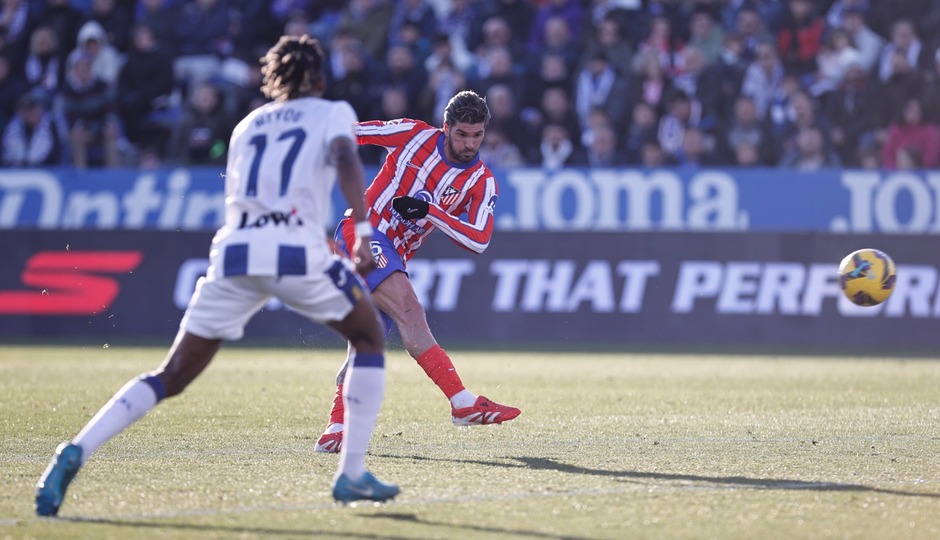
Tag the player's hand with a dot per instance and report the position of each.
(410, 208)
(362, 256)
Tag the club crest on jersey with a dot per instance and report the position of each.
(449, 196)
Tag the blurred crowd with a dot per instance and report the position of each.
(803, 84)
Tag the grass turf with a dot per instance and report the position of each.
(608, 446)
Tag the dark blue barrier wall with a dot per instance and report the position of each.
(580, 289)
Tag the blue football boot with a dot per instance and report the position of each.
(50, 490)
(368, 488)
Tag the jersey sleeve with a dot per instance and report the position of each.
(341, 122)
(388, 133)
(475, 233)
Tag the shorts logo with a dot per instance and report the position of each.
(449, 196)
(381, 260)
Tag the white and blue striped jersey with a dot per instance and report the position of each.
(278, 183)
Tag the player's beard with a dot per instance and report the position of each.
(459, 157)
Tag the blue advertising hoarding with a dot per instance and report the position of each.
(690, 200)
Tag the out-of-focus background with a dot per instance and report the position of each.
(675, 173)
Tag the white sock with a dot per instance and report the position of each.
(130, 403)
(363, 392)
(462, 399)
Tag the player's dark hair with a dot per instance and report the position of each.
(292, 68)
(467, 107)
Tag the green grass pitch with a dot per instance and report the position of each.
(609, 446)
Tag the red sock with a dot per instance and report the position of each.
(440, 369)
(336, 415)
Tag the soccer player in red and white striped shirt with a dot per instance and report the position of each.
(431, 177)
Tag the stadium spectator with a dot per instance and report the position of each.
(682, 114)
(518, 14)
(495, 31)
(444, 81)
(65, 21)
(556, 148)
(568, 12)
(88, 103)
(868, 43)
(368, 23)
(763, 78)
(608, 37)
(731, 68)
(747, 155)
(835, 15)
(497, 68)
(706, 36)
(905, 43)
(202, 41)
(16, 22)
(499, 150)
(444, 178)
(554, 107)
(34, 137)
(652, 85)
(603, 149)
(931, 90)
(457, 21)
(402, 71)
(751, 30)
(854, 109)
(161, 16)
(904, 83)
(145, 85)
(801, 114)
(643, 126)
(245, 272)
(12, 86)
(201, 136)
(415, 12)
(356, 83)
(505, 114)
(702, 83)
(599, 86)
(559, 42)
(552, 72)
(663, 43)
(93, 44)
(443, 51)
(833, 60)
(800, 37)
(115, 21)
(697, 150)
(652, 155)
(747, 128)
(810, 152)
(43, 69)
(410, 36)
(912, 132)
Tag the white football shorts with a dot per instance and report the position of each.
(220, 308)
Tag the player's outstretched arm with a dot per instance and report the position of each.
(351, 177)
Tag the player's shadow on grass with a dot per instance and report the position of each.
(495, 532)
(545, 464)
(233, 530)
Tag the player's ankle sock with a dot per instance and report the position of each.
(440, 369)
(462, 399)
(364, 391)
(336, 414)
(129, 404)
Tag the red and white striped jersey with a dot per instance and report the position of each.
(416, 166)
